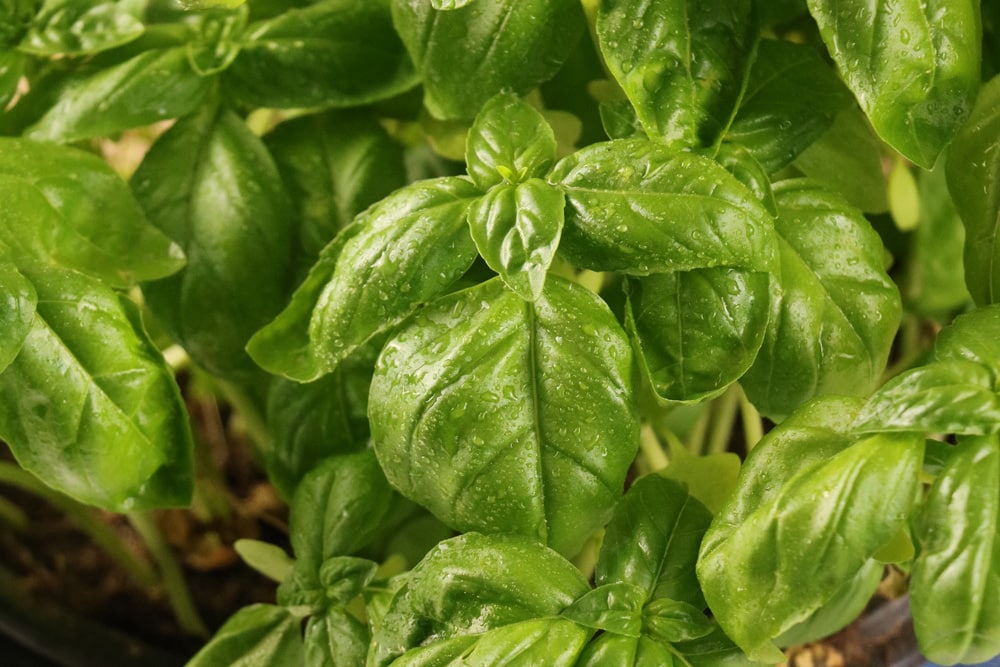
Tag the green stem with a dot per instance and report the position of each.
(753, 428)
(696, 436)
(724, 412)
(586, 560)
(251, 419)
(652, 450)
(170, 570)
(12, 515)
(86, 520)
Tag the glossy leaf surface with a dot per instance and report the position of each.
(681, 63)
(975, 337)
(956, 574)
(502, 415)
(835, 312)
(17, 310)
(517, 229)
(89, 406)
(210, 184)
(611, 650)
(469, 54)
(614, 607)
(399, 254)
(71, 28)
(509, 142)
(912, 64)
(260, 634)
(330, 53)
(637, 207)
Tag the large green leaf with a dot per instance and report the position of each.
(973, 171)
(975, 337)
(210, 184)
(503, 415)
(89, 406)
(955, 577)
(509, 142)
(475, 583)
(260, 634)
(812, 507)
(331, 53)
(336, 638)
(469, 54)
(401, 253)
(17, 310)
(155, 85)
(912, 64)
(612, 650)
(71, 28)
(638, 207)
(835, 312)
(65, 207)
(682, 63)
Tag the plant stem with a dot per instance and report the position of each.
(724, 413)
(172, 578)
(652, 450)
(696, 436)
(251, 419)
(12, 515)
(753, 429)
(86, 520)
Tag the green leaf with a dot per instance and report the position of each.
(344, 578)
(333, 53)
(812, 507)
(260, 634)
(217, 41)
(501, 415)
(475, 583)
(835, 311)
(710, 478)
(974, 337)
(652, 541)
(741, 163)
(697, 331)
(639, 208)
(791, 99)
(17, 310)
(611, 650)
(615, 607)
(89, 406)
(956, 612)
(15, 16)
(973, 171)
(509, 142)
(912, 64)
(954, 396)
(210, 184)
(335, 638)
(11, 70)
(335, 165)
(445, 5)
(682, 63)
(670, 621)
(155, 85)
(268, 559)
(72, 28)
(517, 229)
(469, 54)
(65, 207)
(715, 650)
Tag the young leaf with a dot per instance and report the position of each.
(615, 607)
(65, 207)
(974, 337)
(336, 638)
(835, 312)
(509, 142)
(637, 207)
(504, 415)
(17, 310)
(697, 331)
(670, 621)
(401, 253)
(73, 28)
(210, 184)
(155, 85)
(956, 612)
(260, 634)
(912, 64)
(467, 55)
(474, 583)
(268, 559)
(517, 229)
(335, 53)
(973, 172)
(89, 406)
(622, 651)
(681, 63)
(741, 163)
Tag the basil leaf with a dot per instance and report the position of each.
(89, 406)
(446, 5)
(652, 541)
(697, 331)
(503, 415)
(791, 99)
(509, 142)
(621, 651)
(11, 70)
(741, 163)
(681, 63)
(973, 171)
(714, 650)
(210, 185)
(469, 54)
(615, 607)
(809, 485)
(914, 71)
(71, 28)
(973, 337)
(334, 165)
(956, 613)
(15, 16)
(155, 85)
(517, 229)
(65, 207)
(401, 253)
(268, 559)
(19, 299)
(260, 634)
(331, 53)
(334, 638)
(475, 583)
(639, 208)
(670, 621)
(835, 312)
